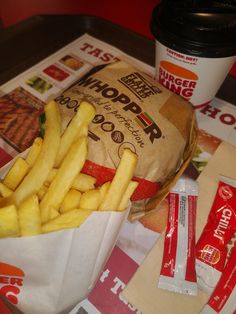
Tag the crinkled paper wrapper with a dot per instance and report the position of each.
(125, 99)
(171, 181)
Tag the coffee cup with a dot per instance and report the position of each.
(195, 46)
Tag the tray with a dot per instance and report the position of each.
(28, 42)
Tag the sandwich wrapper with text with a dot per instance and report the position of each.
(136, 112)
(52, 272)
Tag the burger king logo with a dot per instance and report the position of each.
(11, 281)
(225, 192)
(177, 79)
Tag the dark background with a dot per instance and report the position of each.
(131, 14)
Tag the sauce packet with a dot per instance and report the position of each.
(178, 264)
(211, 248)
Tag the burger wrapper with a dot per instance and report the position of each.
(57, 270)
(134, 111)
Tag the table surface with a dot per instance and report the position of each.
(26, 43)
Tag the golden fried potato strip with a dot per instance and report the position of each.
(83, 117)
(120, 182)
(9, 225)
(70, 167)
(71, 219)
(127, 195)
(29, 216)
(46, 159)
(34, 151)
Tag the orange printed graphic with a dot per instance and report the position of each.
(178, 71)
(9, 270)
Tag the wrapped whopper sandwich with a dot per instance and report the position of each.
(137, 112)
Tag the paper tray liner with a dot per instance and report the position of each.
(142, 290)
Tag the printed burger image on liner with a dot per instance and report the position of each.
(195, 46)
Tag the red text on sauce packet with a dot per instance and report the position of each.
(223, 299)
(211, 249)
(178, 264)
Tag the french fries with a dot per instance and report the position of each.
(4, 190)
(42, 191)
(34, 151)
(84, 182)
(16, 173)
(127, 195)
(29, 216)
(72, 219)
(50, 177)
(46, 191)
(70, 167)
(103, 190)
(46, 159)
(90, 199)
(9, 225)
(120, 182)
(70, 201)
(84, 115)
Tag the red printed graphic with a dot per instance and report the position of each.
(190, 266)
(56, 73)
(3, 308)
(4, 157)
(145, 189)
(143, 120)
(171, 238)
(11, 282)
(98, 53)
(224, 117)
(212, 244)
(226, 286)
(117, 272)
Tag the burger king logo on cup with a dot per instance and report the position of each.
(11, 281)
(177, 79)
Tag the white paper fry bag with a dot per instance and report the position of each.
(51, 273)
